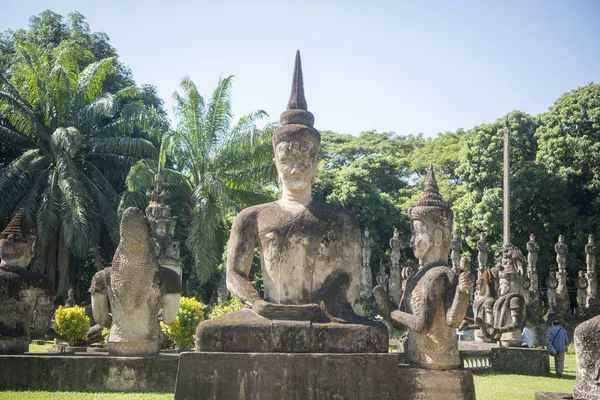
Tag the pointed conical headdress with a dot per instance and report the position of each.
(297, 122)
(431, 207)
(18, 227)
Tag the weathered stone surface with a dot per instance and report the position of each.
(436, 297)
(483, 249)
(88, 372)
(561, 249)
(137, 289)
(245, 331)
(509, 308)
(520, 361)
(310, 256)
(25, 296)
(587, 352)
(551, 396)
(314, 376)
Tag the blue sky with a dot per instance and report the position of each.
(407, 67)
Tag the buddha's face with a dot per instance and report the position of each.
(424, 239)
(591, 239)
(561, 239)
(366, 233)
(395, 234)
(532, 237)
(296, 163)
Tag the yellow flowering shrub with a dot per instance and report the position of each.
(71, 323)
(223, 308)
(183, 330)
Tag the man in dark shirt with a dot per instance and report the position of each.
(558, 337)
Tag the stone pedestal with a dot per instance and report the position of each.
(552, 396)
(245, 331)
(267, 376)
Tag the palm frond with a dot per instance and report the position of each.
(67, 139)
(103, 106)
(48, 215)
(91, 79)
(136, 147)
(17, 178)
(218, 114)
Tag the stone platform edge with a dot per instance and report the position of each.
(274, 376)
(88, 372)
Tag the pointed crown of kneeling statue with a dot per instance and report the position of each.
(432, 209)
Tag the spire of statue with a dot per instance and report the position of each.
(297, 99)
(431, 194)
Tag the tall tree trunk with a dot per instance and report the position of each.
(98, 258)
(63, 267)
(48, 257)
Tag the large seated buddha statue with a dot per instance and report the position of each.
(310, 260)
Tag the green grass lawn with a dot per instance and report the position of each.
(40, 348)
(487, 387)
(517, 387)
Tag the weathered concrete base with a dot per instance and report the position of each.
(245, 331)
(552, 396)
(88, 372)
(266, 376)
(520, 361)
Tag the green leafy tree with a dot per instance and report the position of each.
(71, 153)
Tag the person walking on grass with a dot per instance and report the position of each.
(559, 339)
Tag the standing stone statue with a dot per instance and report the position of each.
(509, 309)
(590, 254)
(162, 227)
(436, 297)
(562, 295)
(533, 293)
(483, 305)
(551, 284)
(465, 265)
(310, 260)
(455, 248)
(582, 285)
(137, 289)
(70, 299)
(25, 296)
(222, 290)
(587, 353)
(366, 277)
(532, 252)
(482, 257)
(382, 278)
(395, 286)
(561, 253)
(592, 289)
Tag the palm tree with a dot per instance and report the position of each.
(72, 153)
(225, 166)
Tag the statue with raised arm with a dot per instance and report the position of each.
(25, 296)
(509, 309)
(561, 254)
(483, 305)
(455, 248)
(137, 288)
(396, 246)
(482, 256)
(436, 297)
(310, 260)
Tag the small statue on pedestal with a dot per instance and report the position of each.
(455, 249)
(482, 255)
(590, 254)
(551, 284)
(366, 278)
(395, 282)
(582, 285)
(70, 299)
(561, 254)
